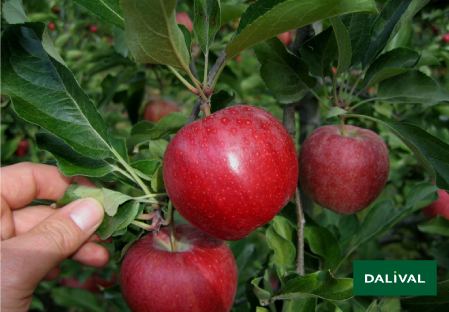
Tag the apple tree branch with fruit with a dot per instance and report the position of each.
(235, 174)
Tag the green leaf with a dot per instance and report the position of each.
(261, 294)
(285, 74)
(110, 200)
(142, 127)
(344, 227)
(373, 307)
(13, 12)
(265, 19)
(169, 124)
(323, 244)
(359, 26)
(393, 17)
(320, 284)
(412, 87)
(335, 111)
(43, 91)
(157, 181)
(188, 39)
(437, 303)
(389, 64)
(422, 195)
(152, 34)
(125, 215)
(72, 163)
(284, 250)
(147, 166)
(76, 297)
(343, 44)
(437, 226)
(427, 59)
(319, 52)
(9, 147)
(220, 100)
(390, 304)
(231, 12)
(120, 45)
(107, 10)
(300, 305)
(157, 148)
(431, 151)
(207, 22)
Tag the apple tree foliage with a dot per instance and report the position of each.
(358, 63)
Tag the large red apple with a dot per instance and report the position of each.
(200, 276)
(343, 173)
(439, 207)
(231, 172)
(156, 109)
(184, 19)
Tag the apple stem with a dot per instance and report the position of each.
(171, 221)
(206, 110)
(342, 123)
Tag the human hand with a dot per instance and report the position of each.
(36, 239)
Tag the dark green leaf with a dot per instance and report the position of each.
(157, 148)
(169, 124)
(300, 305)
(412, 87)
(70, 162)
(220, 100)
(285, 74)
(437, 303)
(157, 181)
(207, 22)
(427, 59)
(422, 195)
(437, 226)
(147, 167)
(76, 297)
(125, 215)
(260, 293)
(38, 84)
(343, 44)
(320, 285)
(187, 38)
(359, 26)
(323, 244)
(107, 10)
(284, 250)
(319, 52)
(389, 64)
(142, 127)
(265, 19)
(393, 17)
(345, 225)
(152, 34)
(390, 304)
(231, 12)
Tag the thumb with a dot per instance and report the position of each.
(42, 248)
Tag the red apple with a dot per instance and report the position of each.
(93, 28)
(51, 26)
(56, 9)
(445, 38)
(200, 276)
(286, 38)
(439, 207)
(22, 148)
(231, 172)
(343, 173)
(184, 19)
(156, 109)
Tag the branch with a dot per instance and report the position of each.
(302, 35)
(289, 120)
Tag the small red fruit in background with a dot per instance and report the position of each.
(445, 38)
(438, 207)
(93, 283)
(22, 148)
(56, 9)
(286, 38)
(238, 58)
(231, 172)
(343, 173)
(93, 28)
(184, 19)
(156, 109)
(200, 275)
(51, 26)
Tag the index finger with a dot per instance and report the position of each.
(24, 182)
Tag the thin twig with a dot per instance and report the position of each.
(301, 224)
(289, 120)
(302, 35)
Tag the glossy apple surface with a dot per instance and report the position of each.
(201, 276)
(231, 172)
(439, 207)
(343, 173)
(184, 19)
(156, 109)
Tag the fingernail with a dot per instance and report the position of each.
(87, 213)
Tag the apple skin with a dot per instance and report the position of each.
(184, 19)
(231, 172)
(156, 109)
(201, 276)
(286, 38)
(343, 173)
(439, 207)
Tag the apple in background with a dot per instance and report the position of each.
(156, 109)
(56, 9)
(22, 148)
(51, 26)
(286, 38)
(231, 172)
(201, 275)
(445, 38)
(93, 28)
(439, 207)
(343, 173)
(93, 283)
(184, 19)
